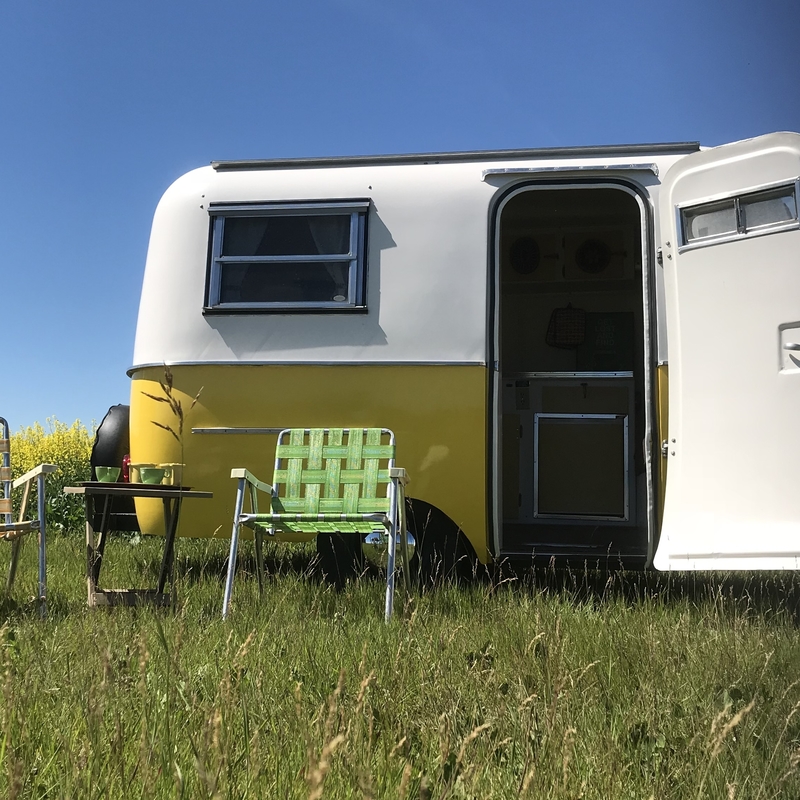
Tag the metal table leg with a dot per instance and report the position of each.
(105, 519)
(172, 507)
(91, 582)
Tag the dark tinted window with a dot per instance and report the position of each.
(284, 257)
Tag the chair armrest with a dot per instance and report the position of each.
(34, 473)
(400, 474)
(251, 479)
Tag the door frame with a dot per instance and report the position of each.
(650, 322)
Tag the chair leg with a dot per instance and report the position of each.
(237, 512)
(390, 569)
(259, 537)
(402, 527)
(16, 549)
(396, 529)
(40, 489)
(16, 544)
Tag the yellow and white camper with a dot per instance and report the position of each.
(584, 353)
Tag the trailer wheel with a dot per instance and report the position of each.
(339, 558)
(442, 552)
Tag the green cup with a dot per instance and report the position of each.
(151, 474)
(107, 474)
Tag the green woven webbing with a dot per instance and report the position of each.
(295, 467)
(355, 444)
(314, 462)
(333, 464)
(314, 480)
(324, 527)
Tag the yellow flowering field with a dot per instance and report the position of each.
(68, 446)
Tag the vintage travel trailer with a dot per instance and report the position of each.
(587, 354)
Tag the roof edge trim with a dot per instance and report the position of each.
(665, 148)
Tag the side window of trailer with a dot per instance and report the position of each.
(287, 257)
(768, 210)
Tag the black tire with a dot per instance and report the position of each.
(442, 552)
(339, 557)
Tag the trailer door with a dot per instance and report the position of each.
(731, 260)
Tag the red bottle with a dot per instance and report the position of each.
(126, 464)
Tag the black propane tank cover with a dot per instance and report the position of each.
(112, 440)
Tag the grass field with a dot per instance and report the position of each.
(562, 685)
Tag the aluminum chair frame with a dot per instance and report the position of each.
(14, 532)
(326, 486)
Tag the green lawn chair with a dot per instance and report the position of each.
(328, 480)
(14, 531)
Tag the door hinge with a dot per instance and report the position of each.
(664, 448)
(660, 257)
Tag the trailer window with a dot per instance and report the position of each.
(288, 257)
(765, 211)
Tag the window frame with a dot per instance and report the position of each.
(355, 258)
(742, 231)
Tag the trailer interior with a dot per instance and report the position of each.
(572, 376)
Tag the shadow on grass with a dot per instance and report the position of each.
(765, 594)
(15, 608)
(762, 593)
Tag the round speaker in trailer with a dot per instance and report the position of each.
(593, 256)
(525, 255)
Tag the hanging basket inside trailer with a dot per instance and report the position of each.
(567, 328)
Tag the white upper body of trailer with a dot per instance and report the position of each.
(430, 234)
(727, 291)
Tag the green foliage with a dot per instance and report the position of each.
(565, 687)
(70, 448)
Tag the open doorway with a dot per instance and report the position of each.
(572, 393)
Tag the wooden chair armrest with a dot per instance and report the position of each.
(34, 473)
(240, 472)
(400, 475)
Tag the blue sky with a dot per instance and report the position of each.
(104, 104)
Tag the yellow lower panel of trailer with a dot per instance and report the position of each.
(438, 414)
